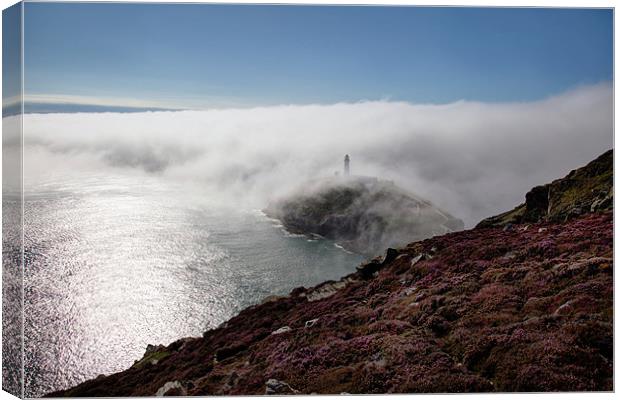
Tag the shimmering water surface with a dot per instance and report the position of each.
(114, 264)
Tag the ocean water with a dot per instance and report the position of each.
(115, 263)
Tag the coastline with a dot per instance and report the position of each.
(518, 304)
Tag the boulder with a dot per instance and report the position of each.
(272, 298)
(564, 308)
(420, 257)
(151, 349)
(327, 289)
(284, 329)
(311, 323)
(172, 388)
(536, 203)
(367, 270)
(274, 386)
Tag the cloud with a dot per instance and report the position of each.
(473, 159)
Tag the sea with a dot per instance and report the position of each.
(116, 262)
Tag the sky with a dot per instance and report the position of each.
(228, 56)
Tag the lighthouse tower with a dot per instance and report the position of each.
(346, 165)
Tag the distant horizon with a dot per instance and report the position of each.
(35, 104)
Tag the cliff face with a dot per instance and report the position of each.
(584, 190)
(526, 306)
(364, 215)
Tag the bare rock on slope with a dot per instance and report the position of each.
(584, 190)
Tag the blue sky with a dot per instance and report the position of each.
(202, 56)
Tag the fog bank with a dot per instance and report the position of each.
(472, 159)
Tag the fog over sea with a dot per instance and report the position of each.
(143, 228)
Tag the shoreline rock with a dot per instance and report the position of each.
(360, 214)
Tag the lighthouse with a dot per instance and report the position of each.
(346, 165)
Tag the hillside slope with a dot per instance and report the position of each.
(526, 306)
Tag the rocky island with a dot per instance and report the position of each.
(523, 302)
(363, 214)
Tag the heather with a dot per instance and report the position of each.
(521, 306)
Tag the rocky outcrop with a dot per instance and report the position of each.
(372, 267)
(152, 355)
(584, 190)
(364, 215)
(175, 388)
(274, 386)
(529, 309)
